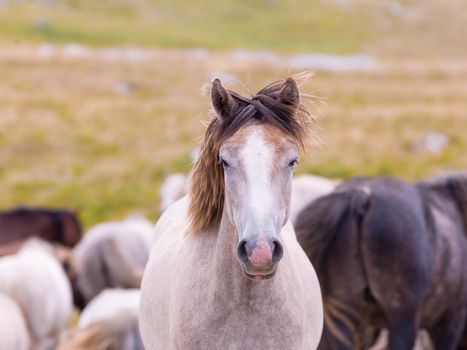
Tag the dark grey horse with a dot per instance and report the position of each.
(392, 255)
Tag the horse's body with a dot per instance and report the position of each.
(120, 332)
(213, 305)
(108, 303)
(36, 281)
(305, 189)
(109, 322)
(390, 255)
(214, 279)
(110, 255)
(13, 330)
(59, 226)
(174, 187)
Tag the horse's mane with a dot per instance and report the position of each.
(206, 190)
(454, 184)
(316, 227)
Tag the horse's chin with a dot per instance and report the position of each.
(259, 277)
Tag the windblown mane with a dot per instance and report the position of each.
(206, 191)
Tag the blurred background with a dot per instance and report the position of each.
(99, 100)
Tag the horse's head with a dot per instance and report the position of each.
(256, 143)
(71, 228)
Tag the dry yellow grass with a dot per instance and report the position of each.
(67, 138)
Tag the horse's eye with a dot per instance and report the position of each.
(293, 163)
(224, 163)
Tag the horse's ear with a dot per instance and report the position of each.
(289, 93)
(222, 102)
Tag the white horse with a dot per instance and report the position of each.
(111, 255)
(226, 271)
(305, 189)
(36, 281)
(108, 303)
(13, 330)
(174, 187)
(109, 322)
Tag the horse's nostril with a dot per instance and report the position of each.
(277, 251)
(242, 251)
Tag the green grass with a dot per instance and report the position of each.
(211, 24)
(291, 26)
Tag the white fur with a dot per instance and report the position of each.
(109, 321)
(174, 187)
(13, 330)
(36, 281)
(108, 303)
(258, 160)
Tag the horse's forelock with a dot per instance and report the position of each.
(207, 179)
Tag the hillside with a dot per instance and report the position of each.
(395, 28)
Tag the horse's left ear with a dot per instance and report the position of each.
(221, 100)
(289, 93)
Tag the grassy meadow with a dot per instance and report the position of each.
(98, 135)
(394, 27)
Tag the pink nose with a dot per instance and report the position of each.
(259, 253)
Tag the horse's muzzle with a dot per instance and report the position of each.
(259, 256)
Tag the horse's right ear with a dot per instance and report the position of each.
(289, 93)
(222, 102)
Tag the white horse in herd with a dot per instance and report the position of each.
(109, 322)
(34, 279)
(13, 329)
(226, 271)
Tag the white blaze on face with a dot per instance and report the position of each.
(258, 159)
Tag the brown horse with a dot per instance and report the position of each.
(53, 225)
(226, 271)
(390, 255)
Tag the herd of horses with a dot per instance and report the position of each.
(249, 257)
